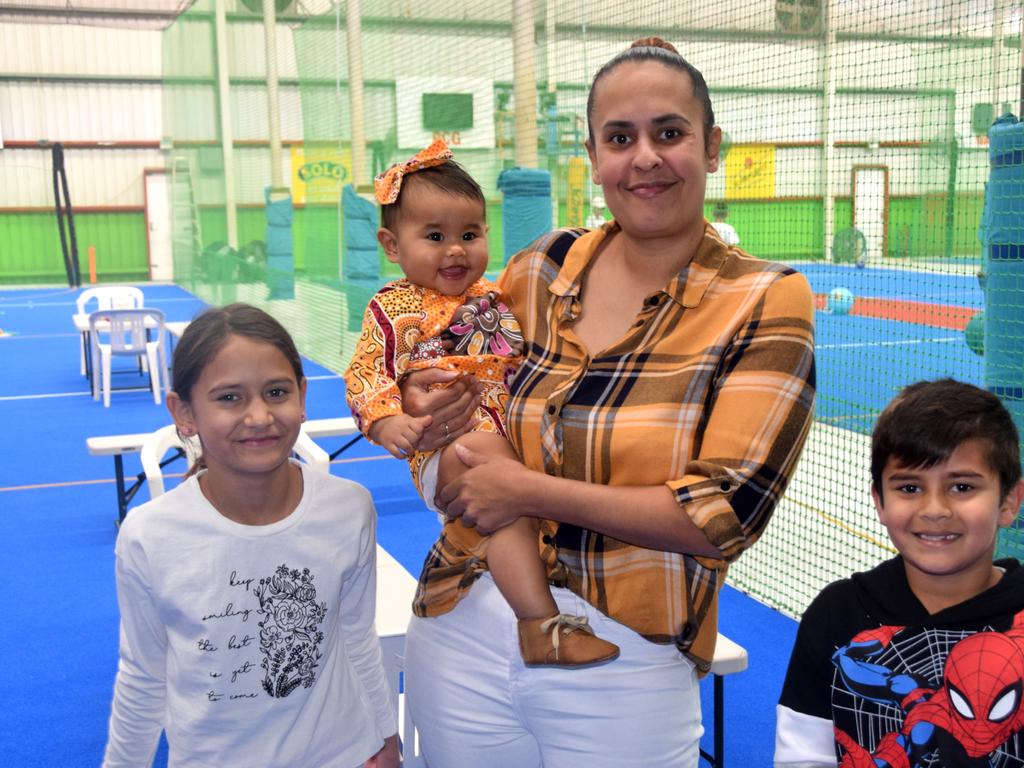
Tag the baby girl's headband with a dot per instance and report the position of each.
(387, 185)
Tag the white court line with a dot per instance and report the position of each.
(17, 335)
(63, 394)
(34, 304)
(847, 417)
(906, 342)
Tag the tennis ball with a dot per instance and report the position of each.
(840, 301)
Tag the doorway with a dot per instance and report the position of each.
(158, 225)
(871, 209)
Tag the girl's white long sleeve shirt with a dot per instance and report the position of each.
(250, 645)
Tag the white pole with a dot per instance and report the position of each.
(828, 150)
(355, 92)
(552, 78)
(524, 83)
(998, 51)
(1020, 108)
(549, 45)
(227, 138)
(339, 219)
(273, 104)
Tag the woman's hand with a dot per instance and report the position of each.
(448, 397)
(488, 495)
(388, 757)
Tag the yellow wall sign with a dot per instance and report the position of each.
(319, 173)
(576, 184)
(750, 171)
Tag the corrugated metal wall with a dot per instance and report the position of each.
(68, 49)
(97, 91)
(96, 177)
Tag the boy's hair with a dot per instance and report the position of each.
(450, 178)
(929, 420)
(208, 332)
(721, 210)
(656, 49)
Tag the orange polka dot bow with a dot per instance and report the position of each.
(387, 185)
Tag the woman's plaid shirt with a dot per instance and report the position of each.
(711, 392)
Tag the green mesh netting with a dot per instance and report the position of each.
(856, 151)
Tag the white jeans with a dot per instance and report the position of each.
(476, 704)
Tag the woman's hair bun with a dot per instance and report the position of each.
(654, 42)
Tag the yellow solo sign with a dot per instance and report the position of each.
(575, 192)
(750, 172)
(319, 173)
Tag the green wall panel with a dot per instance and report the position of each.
(784, 229)
(30, 247)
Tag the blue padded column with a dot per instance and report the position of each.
(526, 207)
(1003, 228)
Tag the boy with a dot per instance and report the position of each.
(444, 314)
(920, 661)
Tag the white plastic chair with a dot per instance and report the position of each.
(311, 453)
(106, 297)
(135, 333)
(152, 454)
(167, 438)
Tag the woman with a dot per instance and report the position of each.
(665, 398)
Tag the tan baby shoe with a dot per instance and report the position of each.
(563, 641)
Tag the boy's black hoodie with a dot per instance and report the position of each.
(868, 654)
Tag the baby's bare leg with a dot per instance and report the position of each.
(513, 557)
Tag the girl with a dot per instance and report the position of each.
(666, 392)
(247, 592)
(445, 314)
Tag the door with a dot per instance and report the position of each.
(871, 208)
(158, 225)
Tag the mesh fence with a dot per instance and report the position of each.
(856, 148)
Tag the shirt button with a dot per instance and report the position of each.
(552, 409)
(639, 324)
(725, 486)
(546, 539)
(654, 301)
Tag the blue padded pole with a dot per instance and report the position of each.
(360, 266)
(525, 207)
(1003, 228)
(280, 258)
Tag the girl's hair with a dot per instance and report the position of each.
(208, 332)
(449, 177)
(656, 49)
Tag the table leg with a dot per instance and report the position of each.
(719, 722)
(716, 758)
(86, 350)
(122, 500)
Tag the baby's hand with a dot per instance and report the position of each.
(399, 435)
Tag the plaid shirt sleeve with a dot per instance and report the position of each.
(757, 419)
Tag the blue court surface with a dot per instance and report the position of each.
(864, 361)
